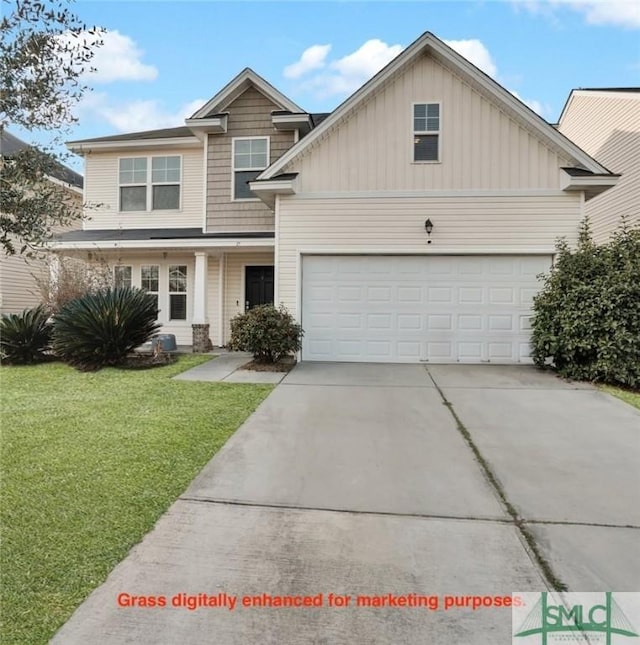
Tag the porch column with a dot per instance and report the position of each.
(199, 325)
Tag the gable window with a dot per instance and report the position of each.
(250, 158)
(426, 132)
(150, 279)
(122, 276)
(178, 292)
(149, 183)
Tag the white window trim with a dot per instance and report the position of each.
(122, 266)
(420, 132)
(184, 293)
(233, 166)
(149, 184)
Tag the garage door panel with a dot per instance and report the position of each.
(411, 309)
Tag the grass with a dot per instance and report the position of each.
(628, 396)
(89, 463)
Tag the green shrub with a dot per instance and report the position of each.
(587, 316)
(267, 332)
(25, 337)
(102, 328)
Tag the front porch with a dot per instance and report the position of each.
(200, 284)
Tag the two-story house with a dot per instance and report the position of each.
(408, 225)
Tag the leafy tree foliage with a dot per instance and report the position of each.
(44, 52)
(587, 316)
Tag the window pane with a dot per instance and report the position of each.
(243, 146)
(140, 164)
(149, 277)
(126, 164)
(433, 110)
(259, 145)
(166, 198)
(178, 307)
(242, 161)
(122, 276)
(259, 160)
(241, 187)
(165, 169)
(420, 124)
(425, 147)
(133, 198)
(433, 123)
(420, 110)
(178, 278)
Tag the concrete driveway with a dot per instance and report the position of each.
(357, 480)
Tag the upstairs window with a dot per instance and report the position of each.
(426, 132)
(250, 158)
(150, 183)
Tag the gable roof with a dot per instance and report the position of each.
(444, 54)
(10, 145)
(236, 86)
(613, 92)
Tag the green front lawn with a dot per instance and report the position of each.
(89, 462)
(632, 398)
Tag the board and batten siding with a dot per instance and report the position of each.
(482, 148)
(607, 126)
(102, 188)
(249, 116)
(395, 225)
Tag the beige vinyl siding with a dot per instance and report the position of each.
(18, 288)
(102, 188)
(249, 116)
(481, 146)
(234, 282)
(474, 224)
(607, 126)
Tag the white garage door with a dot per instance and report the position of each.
(406, 309)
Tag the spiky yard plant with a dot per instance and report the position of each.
(102, 328)
(25, 337)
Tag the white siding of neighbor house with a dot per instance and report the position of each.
(481, 146)
(523, 223)
(607, 126)
(102, 189)
(18, 287)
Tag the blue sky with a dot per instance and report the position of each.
(161, 60)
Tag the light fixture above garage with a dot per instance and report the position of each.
(428, 227)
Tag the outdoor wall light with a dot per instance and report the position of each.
(428, 227)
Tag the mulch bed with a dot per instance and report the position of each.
(284, 365)
(143, 360)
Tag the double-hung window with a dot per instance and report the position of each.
(150, 279)
(426, 132)
(150, 183)
(178, 292)
(250, 158)
(121, 276)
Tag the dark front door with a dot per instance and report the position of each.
(258, 286)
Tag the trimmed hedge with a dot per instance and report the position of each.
(587, 315)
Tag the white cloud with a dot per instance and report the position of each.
(475, 52)
(138, 115)
(622, 13)
(119, 59)
(312, 58)
(536, 106)
(346, 74)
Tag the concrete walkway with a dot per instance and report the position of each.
(226, 367)
(355, 479)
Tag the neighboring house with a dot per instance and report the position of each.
(18, 288)
(409, 225)
(606, 124)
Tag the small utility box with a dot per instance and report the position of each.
(164, 343)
